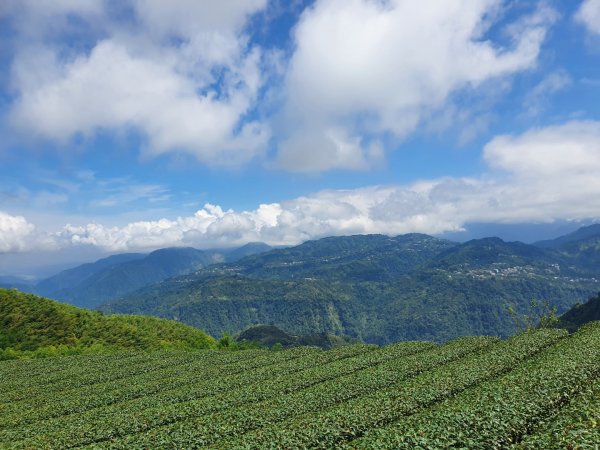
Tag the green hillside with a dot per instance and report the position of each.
(580, 249)
(373, 288)
(535, 390)
(89, 285)
(70, 278)
(579, 235)
(580, 314)
(372, 257)
(35, 324)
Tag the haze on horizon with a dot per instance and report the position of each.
(141, 124)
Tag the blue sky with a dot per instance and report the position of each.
(134, 125)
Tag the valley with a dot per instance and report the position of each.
(375, 288)
(303, 225)
(441, 357)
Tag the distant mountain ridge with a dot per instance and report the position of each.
(493, 250)
(580, 314)
(582, 247)
(91, 284)
(360, 258)
(8, 282)
(374, 288)
(581, 234)
(72, 277)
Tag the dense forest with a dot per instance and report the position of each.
(580, 314)
(376, 288)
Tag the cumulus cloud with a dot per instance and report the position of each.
(15, 232)
(553, 171)
(187, 76)
(208, 227)
(589, 15)
(381, 67)
(183, 75)
(541, 175)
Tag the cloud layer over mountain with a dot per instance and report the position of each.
(291, 120)
(539, 176)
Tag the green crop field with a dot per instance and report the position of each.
(536, 390)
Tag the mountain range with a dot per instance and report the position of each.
(379, 289)
(91, 284)
(374, 288)
(580, 314)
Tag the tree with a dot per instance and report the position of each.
(541, 315)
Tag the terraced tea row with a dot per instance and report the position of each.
(109, 370)
(500, 412)
(257, 409)
(476, 392)
(575, 426)
(166, 376)
(329, 427)
(209, 394)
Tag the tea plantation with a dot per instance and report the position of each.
(536, 390)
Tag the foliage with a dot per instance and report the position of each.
(580, 314)
(449, 372)
(373, 288)
(540, 315)
(269, 336)
(539, 387)
(577, 425)
(89, 285)
(501, 412)
(33, 326)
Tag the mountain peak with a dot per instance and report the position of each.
(581, 234)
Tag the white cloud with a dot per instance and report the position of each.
(382, 67)
(589, 15)
(34, 19)
(184, 77)
(15, 232)
(570, 150)
(537, 97)
(542, 175)
(111, 89)
(553, 171)
(186, 17)
(319, 150)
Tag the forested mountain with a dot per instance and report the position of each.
(109, 279)
(580, 249)
(268, 336)
(582, 234)
(493, 252)
(235, 254)
(580, 314)
(349, 258)
(19, 283)
(374, 288)
(31, 323)
(91, 284)
(70, 278)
